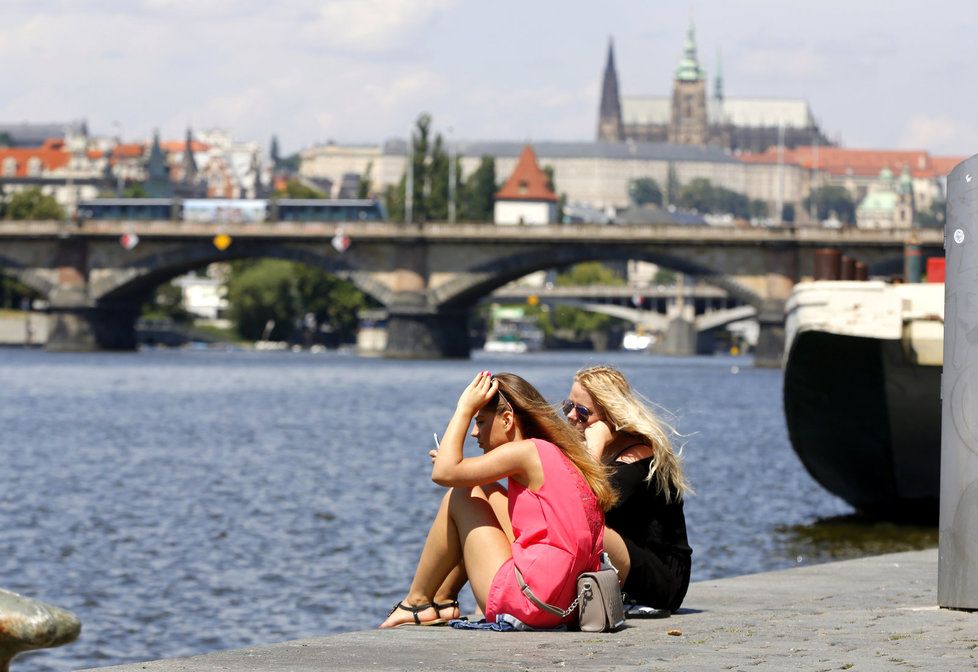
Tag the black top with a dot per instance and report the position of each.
(655, 534)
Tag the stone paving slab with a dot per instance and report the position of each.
(875, 613)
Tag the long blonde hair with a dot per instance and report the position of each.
(626, 412)
(538, 419)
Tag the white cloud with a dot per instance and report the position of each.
(940, 134)
(371, 25)
(790, 62)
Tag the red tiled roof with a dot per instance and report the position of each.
(858, 162)
(180, 145)
(130, 151)
(527, 182)
(51, 159)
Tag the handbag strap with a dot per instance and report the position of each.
(556, 611)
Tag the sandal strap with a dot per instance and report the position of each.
(414, 611)
(444, 605)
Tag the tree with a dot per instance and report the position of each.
(284, 292)
(136, 190)
(479, 192)
(672, 185)
(363, 190)
(552, 186)
(429, 165)
(703, 196)
(832, 199)
(32, 204)
(582, 322)
(932, 217)
(295, 188)
(589, 273)
(167, 304)
(645, 190)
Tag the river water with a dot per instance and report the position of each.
(188, 501)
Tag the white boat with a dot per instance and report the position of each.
(862, 377)
(513, 332)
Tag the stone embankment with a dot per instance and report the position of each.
(875, 613)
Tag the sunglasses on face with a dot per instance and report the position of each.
(583, 413)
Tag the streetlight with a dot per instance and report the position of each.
(119, 179)
(451, 176)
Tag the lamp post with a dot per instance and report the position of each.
(119, 179)
(409, 179)
(451, 176)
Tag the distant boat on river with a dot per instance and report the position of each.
(862, 379)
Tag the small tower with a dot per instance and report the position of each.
(527, 196)
(905, 201)
(158, 183)
(610, 126)
(688, 125)
(189, 164)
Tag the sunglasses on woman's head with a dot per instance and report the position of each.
(583, 413)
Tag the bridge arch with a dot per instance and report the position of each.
(140, 277)
(482, 279)
(32, 278)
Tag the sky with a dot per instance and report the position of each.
(880, 74)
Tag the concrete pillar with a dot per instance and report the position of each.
(79, 328)
(419, 332)
(680, 338)
(957, 569)
(782, 274)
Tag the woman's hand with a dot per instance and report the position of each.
(597, 435)
(477, 394)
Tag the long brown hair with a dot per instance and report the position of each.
(626, 412)
(538, 419)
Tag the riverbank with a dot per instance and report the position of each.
(872, 613)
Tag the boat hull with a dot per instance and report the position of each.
(865, 419)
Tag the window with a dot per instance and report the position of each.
(33, 166)
(9, 166)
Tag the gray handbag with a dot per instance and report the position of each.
(599, 602)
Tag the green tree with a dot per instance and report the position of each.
(576, 320)
(167, 304)
(479, 193)
(932, 217)
(32, 204)
(284, 292)
(672, 185)
(5, 140)
(589, 273)
(645, 190)
(429, 165)
(363, 190)
(703, 196)
(136, 190)
(295, 188)
(832, 199)
(552, 186)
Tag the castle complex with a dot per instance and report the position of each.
(691, 117)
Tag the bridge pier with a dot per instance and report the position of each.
(680, 338)
(426, 333)
(89, 329)
(770, 339)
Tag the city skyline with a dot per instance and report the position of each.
(876, 74)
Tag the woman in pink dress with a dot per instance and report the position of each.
(548, 523)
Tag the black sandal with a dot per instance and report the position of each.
(445, 605)
(414, 611)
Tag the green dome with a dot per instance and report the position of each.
(689, 69)
(885, 200)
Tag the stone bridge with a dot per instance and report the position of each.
(427, 276)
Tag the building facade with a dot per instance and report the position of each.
(691, 116)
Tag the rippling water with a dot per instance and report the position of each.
(187, 501)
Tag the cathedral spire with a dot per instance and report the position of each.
(718, 81)
(689, 69)
(610, 126)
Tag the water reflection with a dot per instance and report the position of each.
(852, 536)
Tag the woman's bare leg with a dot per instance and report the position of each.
(465, 540)
(615, 547)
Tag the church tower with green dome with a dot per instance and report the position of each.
(689, 124)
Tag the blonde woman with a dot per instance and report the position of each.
(645, 533)
(548, 523)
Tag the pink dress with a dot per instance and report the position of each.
(559, 534)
